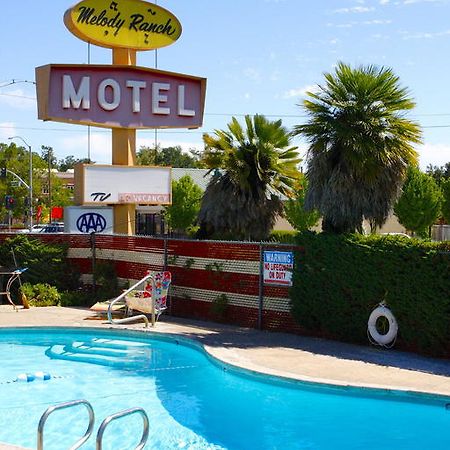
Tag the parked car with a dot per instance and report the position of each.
(34, 229)
(55, 227)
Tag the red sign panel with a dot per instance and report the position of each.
(57, 212)
(119, 96)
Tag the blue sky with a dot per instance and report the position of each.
(259, 56)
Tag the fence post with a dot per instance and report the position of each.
(165, 253)
(94, 257)
(261, 286)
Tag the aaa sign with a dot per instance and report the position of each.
(133, 24)
(119, 96)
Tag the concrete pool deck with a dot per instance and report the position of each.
(280, 354)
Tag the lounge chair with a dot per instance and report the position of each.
(153, 297)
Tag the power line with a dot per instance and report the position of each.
(99, 130)
(162, 132)
(11, 82)
(286, 116)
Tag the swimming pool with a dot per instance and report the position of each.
(193, 402)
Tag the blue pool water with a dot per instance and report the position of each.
(193, 403)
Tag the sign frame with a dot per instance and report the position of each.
(113, 177)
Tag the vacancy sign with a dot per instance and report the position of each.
(278, 268)
(119, 96)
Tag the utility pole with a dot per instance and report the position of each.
(49, 164)
(49, 185)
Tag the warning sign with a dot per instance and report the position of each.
(278, 268)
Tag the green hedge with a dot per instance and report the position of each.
(338, 280)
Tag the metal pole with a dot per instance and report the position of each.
(31, 189)
(94, 261)
(30, 186)
(165, 253)
(261, 286)
(49, 155)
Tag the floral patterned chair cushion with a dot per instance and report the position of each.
(141, 300)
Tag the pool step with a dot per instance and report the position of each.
(115, 343)
(94, 349)
(67, 352)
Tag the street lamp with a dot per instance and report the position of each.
(30, 186)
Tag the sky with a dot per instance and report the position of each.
(259, 57)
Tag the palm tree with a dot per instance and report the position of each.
(360, 145)
(256, 168)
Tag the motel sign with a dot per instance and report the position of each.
(126, 97)
(122, 97)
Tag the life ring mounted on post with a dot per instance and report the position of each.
(375, 337)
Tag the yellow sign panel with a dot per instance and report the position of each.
(132, 24)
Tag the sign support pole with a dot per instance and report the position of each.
(261, 287)
(124, 152)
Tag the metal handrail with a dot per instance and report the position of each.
(120, 297)
(118, 415)
(51, 409)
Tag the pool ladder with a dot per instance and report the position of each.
(101, 430)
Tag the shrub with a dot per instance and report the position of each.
(46, 263)
(338, 280)
(286, 237)
(106, 280)
(41, 294)
(77, 298)
(219, 306)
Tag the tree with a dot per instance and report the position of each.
(48, 156)
(17, 160)
(186, 198)
(168, 156)
(295, 212)
(360, 145)
(258, 166)
(419, 204)
(61, 196)
(440, 174)
(445, 207)
(69, 162)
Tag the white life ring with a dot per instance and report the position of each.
(391, 335)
